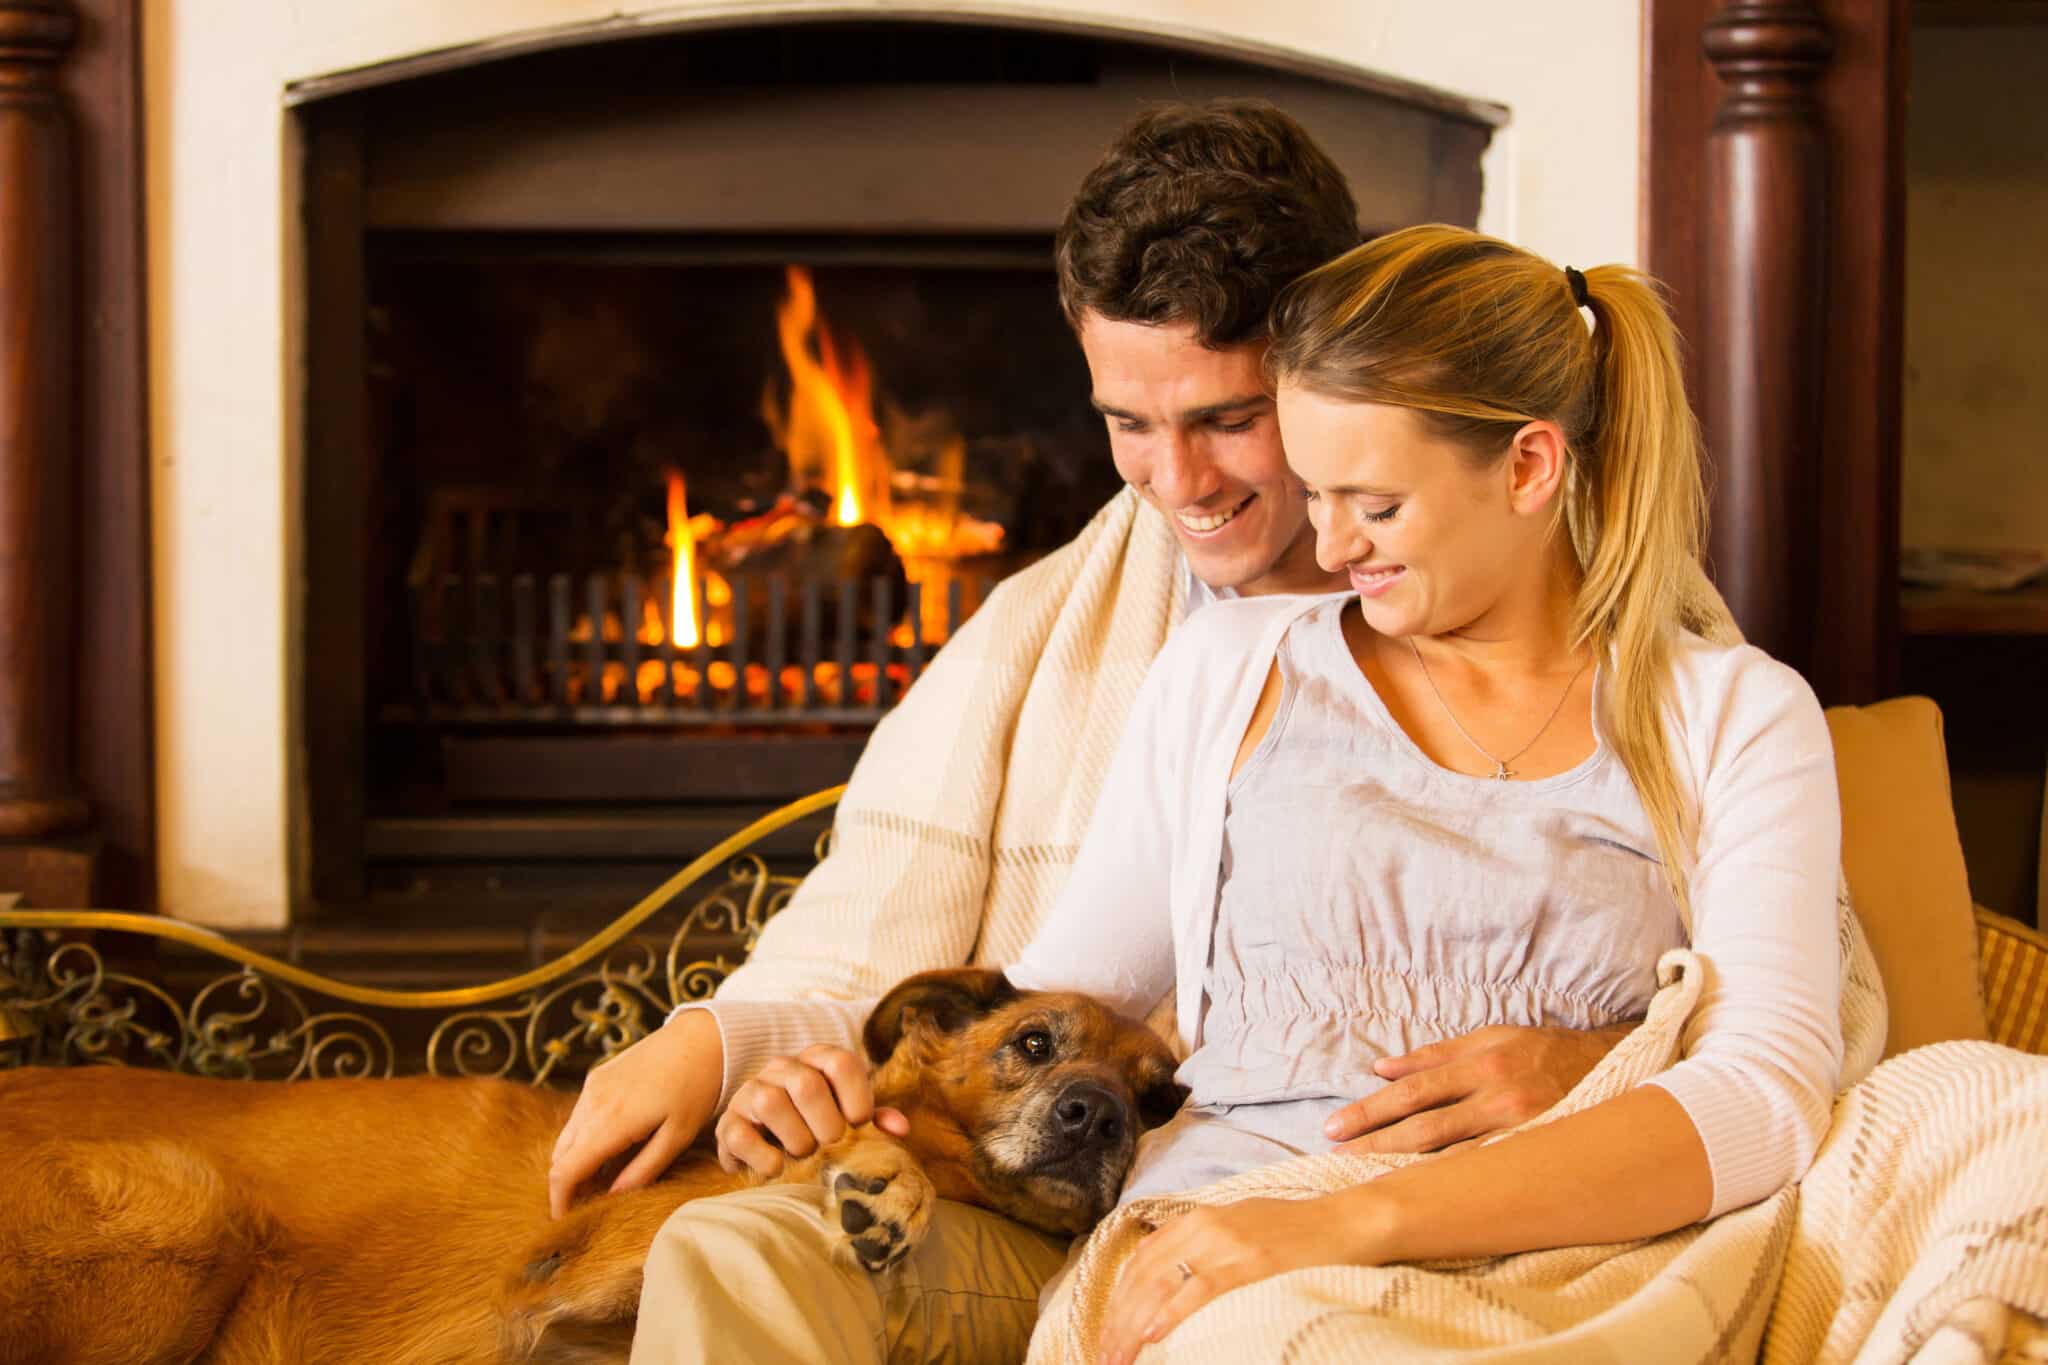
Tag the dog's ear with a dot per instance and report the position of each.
(1160, 1098)
(945, 1000)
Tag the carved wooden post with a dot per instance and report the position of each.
(38, 578)
(1762, 303)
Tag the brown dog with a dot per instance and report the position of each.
(146, 1216)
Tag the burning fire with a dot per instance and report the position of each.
(683, 541)
(833, 441)
(828, 430)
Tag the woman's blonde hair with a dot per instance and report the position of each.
(1483, 337)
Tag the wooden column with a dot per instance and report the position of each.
(1742, 103)
(114, 753)
(1857, 624)
(38, 500)
(1764, 268)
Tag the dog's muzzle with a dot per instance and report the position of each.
(1090, 1117)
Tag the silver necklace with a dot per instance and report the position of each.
(1501, 769)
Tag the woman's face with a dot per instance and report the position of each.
(1431, 544)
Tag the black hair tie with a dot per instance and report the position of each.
(1578, 284)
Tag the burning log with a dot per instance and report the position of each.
(796, 543)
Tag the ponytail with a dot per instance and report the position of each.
(1635, 518)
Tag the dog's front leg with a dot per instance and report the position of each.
(876, 1190)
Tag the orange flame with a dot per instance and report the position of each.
(683, 540)
(829, 430)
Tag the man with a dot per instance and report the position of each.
(964, 812)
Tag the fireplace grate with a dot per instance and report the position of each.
(572, 650)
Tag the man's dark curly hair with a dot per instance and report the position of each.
(1202, 215)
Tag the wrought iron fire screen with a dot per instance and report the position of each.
(65, 997)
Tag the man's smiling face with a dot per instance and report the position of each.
(1193, 429)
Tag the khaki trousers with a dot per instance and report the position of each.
(758, 1277)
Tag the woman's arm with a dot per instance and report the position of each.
(1763, 1049)
(1630, 1167)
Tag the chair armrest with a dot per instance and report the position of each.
(2013, 962)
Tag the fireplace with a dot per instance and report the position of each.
(662, 523)
(670, 400)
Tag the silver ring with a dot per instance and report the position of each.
(1187, 1272)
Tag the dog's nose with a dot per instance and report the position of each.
(1088, 1113)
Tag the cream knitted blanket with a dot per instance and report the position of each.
(1920, 1234)
(1923, 1214)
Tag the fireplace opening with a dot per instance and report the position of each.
(671, 398)
(668, 493)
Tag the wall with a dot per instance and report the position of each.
(1971, 469)
(1561, 178)
(1976, 289)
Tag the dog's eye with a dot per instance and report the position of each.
(1036, 1045)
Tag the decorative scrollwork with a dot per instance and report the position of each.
(103, 1016)
(610, 1013)
(699, 980)
(479, 1043)
(737, 909)
(60, 1003)
(301, 1045)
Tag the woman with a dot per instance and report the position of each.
(1491, 786)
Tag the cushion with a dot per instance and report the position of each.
(1904, 862)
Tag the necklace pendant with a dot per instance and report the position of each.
(1501, 770)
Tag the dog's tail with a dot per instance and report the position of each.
(575, 1290)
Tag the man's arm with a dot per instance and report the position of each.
(959, 766)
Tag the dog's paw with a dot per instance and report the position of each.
(881, 1198)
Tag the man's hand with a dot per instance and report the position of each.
(1469, 1087)
(796, 1105)
(662, 1089)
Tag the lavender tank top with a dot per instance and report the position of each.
(1372, 901)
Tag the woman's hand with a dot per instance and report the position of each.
(1215, 1249)
(1470, 1087)
(797, 1104)
(661, 1089)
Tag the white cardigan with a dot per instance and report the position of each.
(1764, 1054)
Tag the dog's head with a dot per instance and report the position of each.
(1026, 1102)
